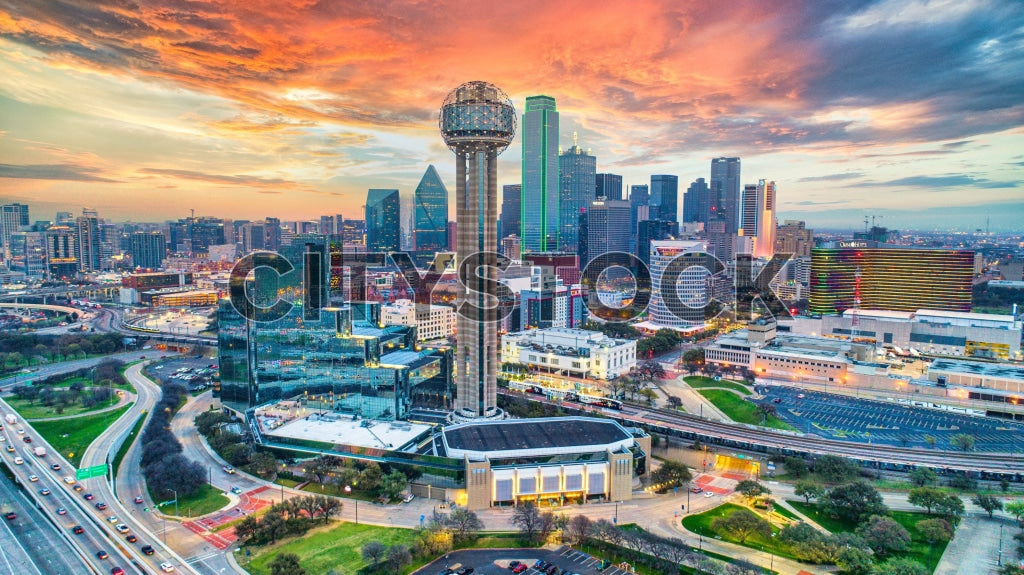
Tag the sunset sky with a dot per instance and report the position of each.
(910, 110)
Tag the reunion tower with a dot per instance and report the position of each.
(477, 123)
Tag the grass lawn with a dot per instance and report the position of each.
(72, 436)
(286, 482)
(207, 500)
(701, 524)
(927, 554)
(34, 410)
(740, 410)
(333, 547)
(701, 382)
(786, 513)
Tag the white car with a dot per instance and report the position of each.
(3, 438)
(21, 431)
(69, 480)
(167, 567)
(121, 528)
(112, 519)
(18, 461)
(709, 494)
(33, 478)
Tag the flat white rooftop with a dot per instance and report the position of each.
(335, 428)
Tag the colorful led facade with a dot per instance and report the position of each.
(897, 279)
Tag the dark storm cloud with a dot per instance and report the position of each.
(70, 172)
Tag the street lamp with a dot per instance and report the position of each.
(615, 519)
(175, 501)
(348, 491)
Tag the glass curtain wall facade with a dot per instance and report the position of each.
(383, 228)
(328, 355)
(540, 185)
(578, 174)
(431, 226)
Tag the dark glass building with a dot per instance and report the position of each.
(148, 250)
(696, 202)
(725, 193)
(608, 186)
(431, 197)
(577, 172)
(339, 355)
(664, 200)
(383, 214)
(511, 196)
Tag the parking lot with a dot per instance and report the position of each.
(494, 561)
(889, 423)
(197, 378)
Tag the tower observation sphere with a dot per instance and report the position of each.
(477, 122)
(477, 115)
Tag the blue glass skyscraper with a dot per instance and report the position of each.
(540, 187)
(664, 199)
(431, 219)
(577, 172)
(383, 212)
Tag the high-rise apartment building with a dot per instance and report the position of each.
(477, 123)
(431, 206)
(28, 253)
(148, 250)
(87, 241)
(757, 217)
(540, 186)
(13, 219)
(664, 198)
(609, 187)
(725, 193)
(897, 279)
(383, 220)
(61, 252)
(793, 237)
(578, 172)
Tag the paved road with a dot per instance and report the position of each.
(97, 535)
(42, 372)
(29, 543)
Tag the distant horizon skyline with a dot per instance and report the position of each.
(908, 109)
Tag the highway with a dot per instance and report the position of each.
(790, 443)
(44, 371)
(52, 542)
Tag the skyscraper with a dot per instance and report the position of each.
(61, 252)
(757, 217)
(477, 123)
(696, 202)
(383, 227)
(725, 192)
(87, 240)
(148, 249)
(793, 237)
(638, 197)
(682, 267)
(540, 186)
(577, 172)
(13, 217)
(431, 205)
(511, 195)
(609, 186)
(664, 200)
(607, 228)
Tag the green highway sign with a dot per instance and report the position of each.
(94, 471)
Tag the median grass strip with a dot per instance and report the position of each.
(335, 547)
(740, 410)
(32, 409)
(127, 443)
(71, 437)
(207, 500)
(701, 382)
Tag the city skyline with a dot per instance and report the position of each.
(237, 113)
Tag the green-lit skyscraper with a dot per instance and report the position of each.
(540, 187)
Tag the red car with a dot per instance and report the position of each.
(138, 499)
(27, 439)
(117, 571)
(88, 496)
(11, 516)
(77, 530)
(519, 568)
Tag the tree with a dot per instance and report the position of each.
(952, 507)
(741, 524)
(935, 530)
(464, 523)
(373, 551)
(1004, 485)
(330, 506)
(263, 463)
(930, 440)
(320, 466)
(528, 519)
(674, 402)
(854, 501)
(648, 395)
(579, 529)
(247, 527)
(923, 476)
(901, 566)
(989, 503)
(751, 489)
(835, 469)
(398, 557)
(854, 561)
(766, 409)
(286, 564)
(671, 474)
(927, 497)
(796, 466)
(962, 441)
(883, 535)
(1015, 508)
(393, 485)
(808, 489)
